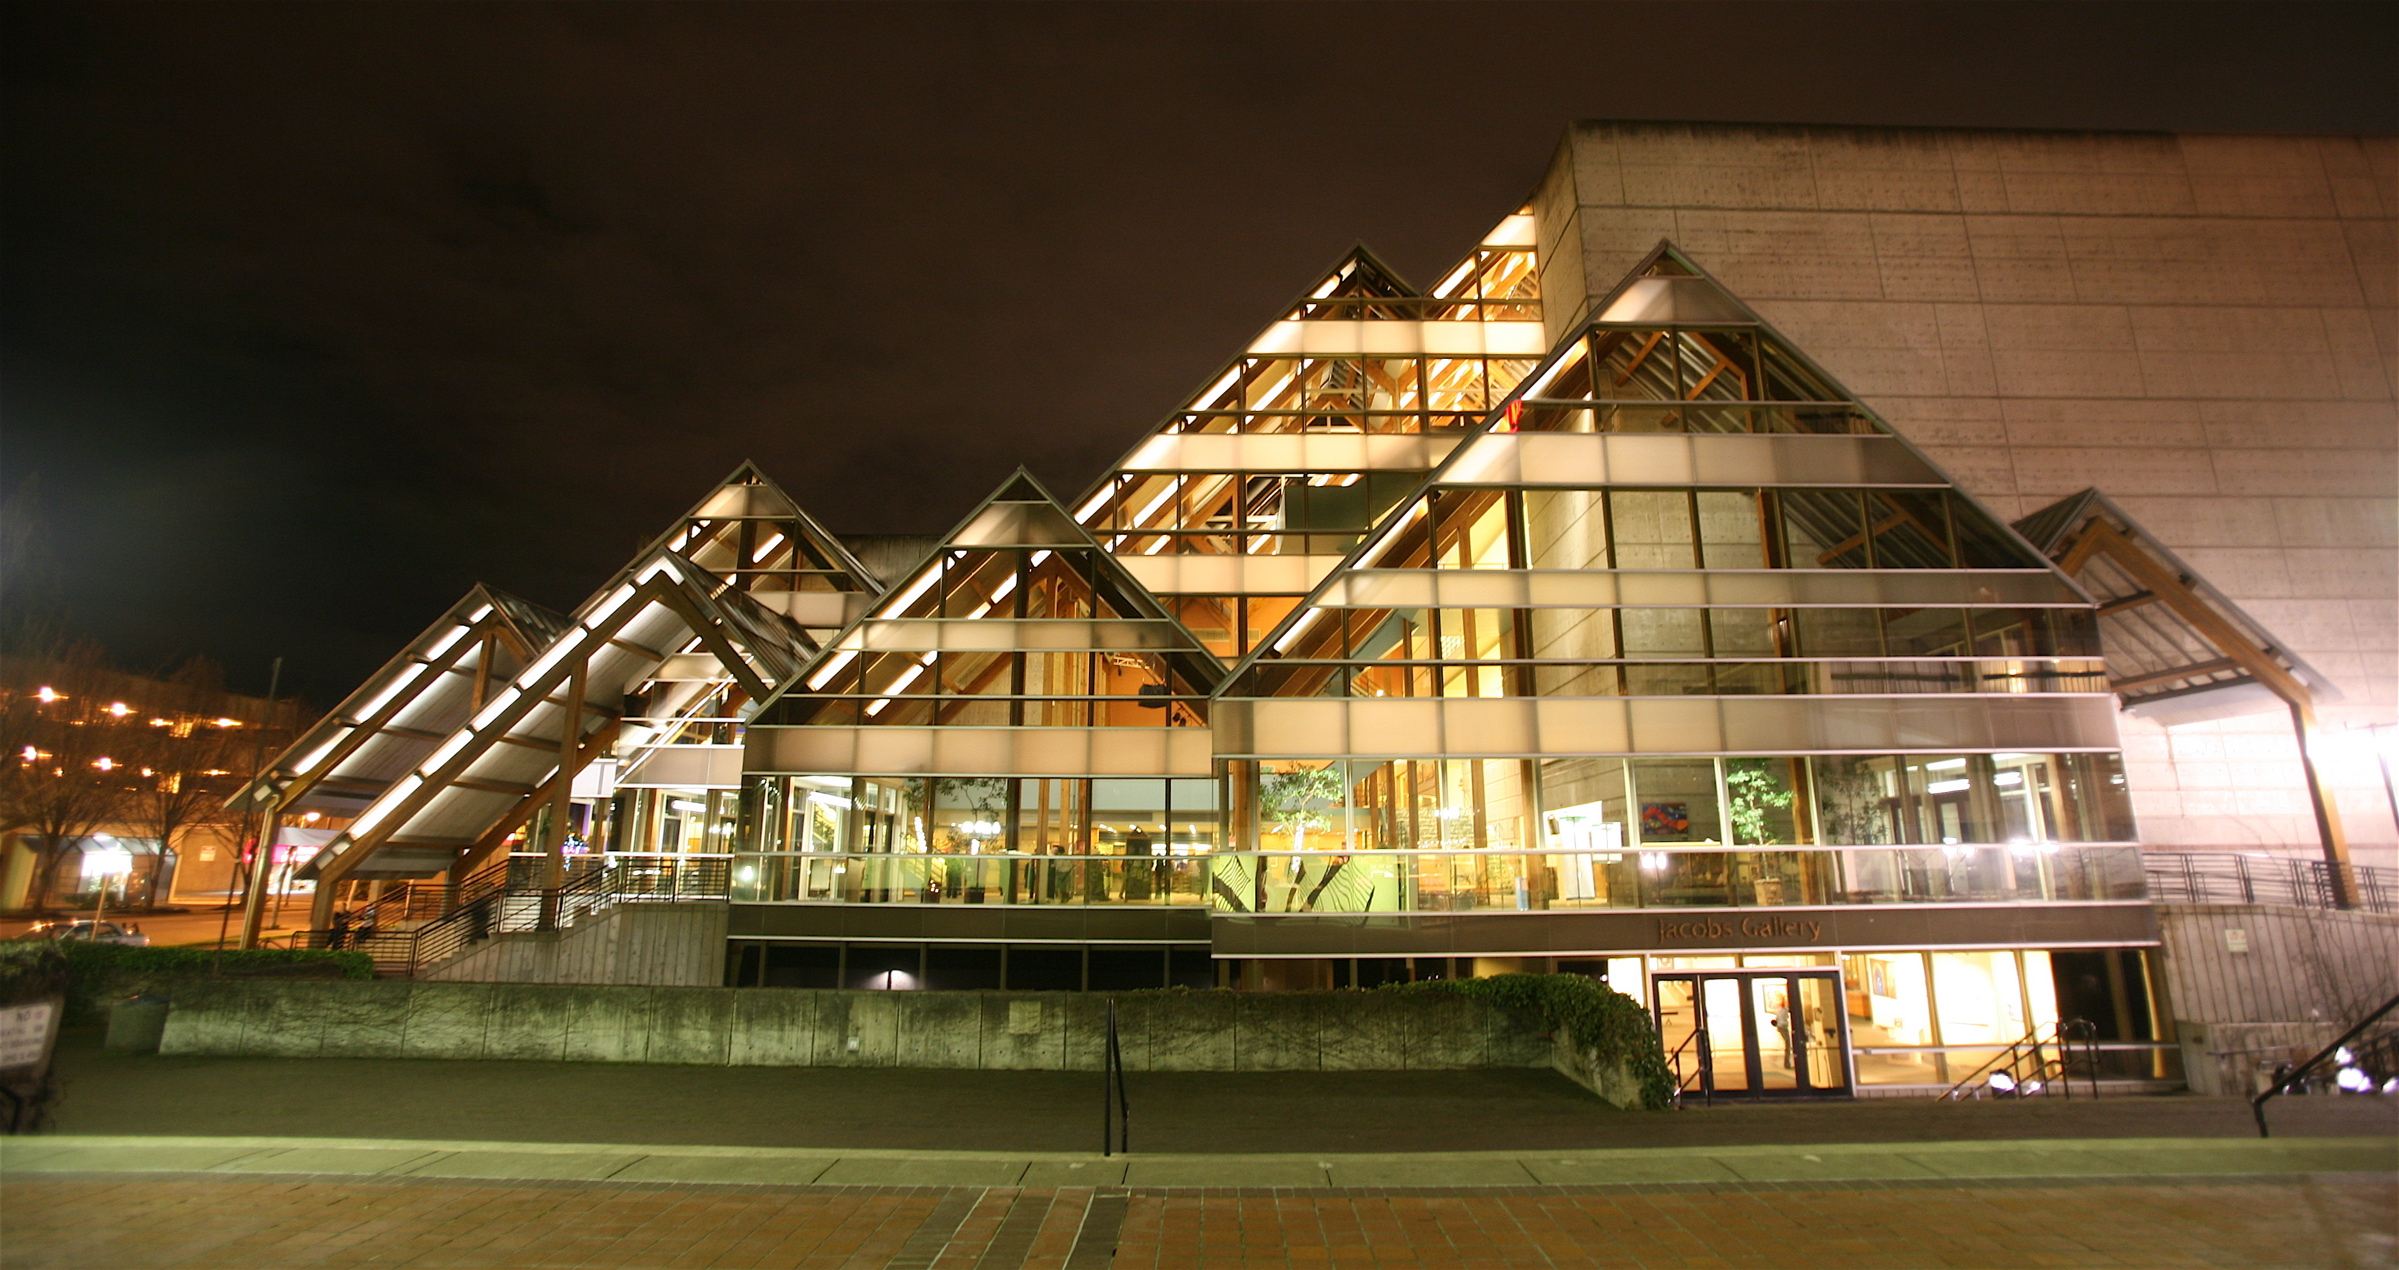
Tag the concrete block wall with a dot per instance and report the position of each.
(791, 1027)
(2204, 327)
(2261, 983)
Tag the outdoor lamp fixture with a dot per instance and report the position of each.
(2354, 1081)
(2001, 1083)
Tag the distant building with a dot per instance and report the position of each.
(129, 772)
(1698, 586)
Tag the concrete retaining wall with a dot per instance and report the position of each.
(793, 1027)
(657, 945)
(2305, 975)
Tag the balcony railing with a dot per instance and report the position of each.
(971, 879)
(2226, 877)
(1470, 881)
(1458, 881)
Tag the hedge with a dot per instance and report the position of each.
(101, 974)
(1609, 1024)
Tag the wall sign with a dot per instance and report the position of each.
(1718, 930)
(25, 1033)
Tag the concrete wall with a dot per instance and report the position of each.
(656, 945)
(2306, 975)
(791, 1027)
(2205, 327)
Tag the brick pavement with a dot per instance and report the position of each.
(157, 1221)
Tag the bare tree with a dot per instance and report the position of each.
(65, 775)
(186, 757)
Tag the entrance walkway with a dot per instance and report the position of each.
(326, 1163)
(1178, 1112)
(272, 1206)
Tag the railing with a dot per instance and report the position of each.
(420, 901)
(1931, 1068)
(1568, 414)
(2036, 1066)
(1116, 1107)
(594, 884)
(2225, 877)
(1408, 881)
(1425, 678)
(2342, 1059)
(971, 879)
(1467, 881)
(1699, 1072)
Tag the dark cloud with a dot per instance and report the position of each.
(313, 315)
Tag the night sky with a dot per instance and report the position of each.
(313, 315)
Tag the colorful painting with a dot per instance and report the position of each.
(1665, 820)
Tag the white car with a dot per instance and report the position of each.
(88, 931)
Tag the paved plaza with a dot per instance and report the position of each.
(265, 1163)
(270, 1222)
(1035, 1111)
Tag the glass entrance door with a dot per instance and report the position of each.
(1755, 1033)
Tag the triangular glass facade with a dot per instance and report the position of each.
(1020, 694)
(648, 681)
(1248, 495)
(1682, 594)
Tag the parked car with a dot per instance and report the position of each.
(86, 930)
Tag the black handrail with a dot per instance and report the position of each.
(1116, 1110)
(2257, 1105)
(2225, 877)
(2073, 1034)
(2066, 1035)
(497, 908)
(1700, 1071)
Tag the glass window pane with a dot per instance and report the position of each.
(1822, 529)
(1565, 529)
(1742, 632)
(1731, 532)
(1635, 366)
(1982, 544)
(1652, 529)
(1677, 801)
(1856, 800)
(1663, 632)
(1926, 632)
(1838, 632)
(1911, 530)
(1761, 800)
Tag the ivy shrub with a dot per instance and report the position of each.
(1609, 1025)
(100, 974)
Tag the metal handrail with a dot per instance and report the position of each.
(2257, 1105)
(2047, 1074)
(504, 909)
(1699, 1072)
(1116, 1108)
(2226, 877)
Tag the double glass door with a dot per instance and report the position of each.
(1755, 1033)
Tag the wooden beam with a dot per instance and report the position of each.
(2212, 626)
(2175, 592)
(490, 787)
(598, 743)
(2079, 554)
(2196, 670)
(1633, 366)
(562, 789)
(2128, 603)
